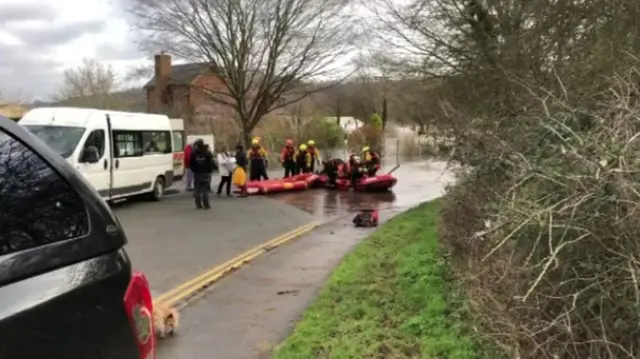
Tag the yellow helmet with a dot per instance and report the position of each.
(255, 142)
(365, 149)
(311, 143)
(303, 147)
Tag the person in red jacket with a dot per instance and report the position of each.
(287, 158)
(188, 149)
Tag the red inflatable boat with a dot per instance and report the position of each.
(378, 183)
(296, 183)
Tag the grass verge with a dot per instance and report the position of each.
(388, 299)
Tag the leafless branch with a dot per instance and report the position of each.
(261, 49)
(14, 97)
(89, 85)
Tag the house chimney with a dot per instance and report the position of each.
(163, 66)
(162, 78)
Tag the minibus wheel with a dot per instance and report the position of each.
(158, 189)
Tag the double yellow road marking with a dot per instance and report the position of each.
(193, 286)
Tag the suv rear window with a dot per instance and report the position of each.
(37, 206)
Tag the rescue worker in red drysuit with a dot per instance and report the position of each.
(287, 158)
(315, 156)
(303, 159)
(371, 161)
(257, 162)
(332, 169)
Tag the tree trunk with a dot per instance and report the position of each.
(246, 135)
(384, 113)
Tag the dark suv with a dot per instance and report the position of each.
(67, 290)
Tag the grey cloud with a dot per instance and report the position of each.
(57, 35)
(17, 12)
(25, 71)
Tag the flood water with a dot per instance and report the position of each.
(417, 182)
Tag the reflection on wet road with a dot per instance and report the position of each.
(416, 182)
(330, 203)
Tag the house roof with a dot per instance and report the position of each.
(182, 74)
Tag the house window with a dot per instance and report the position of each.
(167, 96)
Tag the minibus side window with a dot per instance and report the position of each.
(178, 141)
(96, 139)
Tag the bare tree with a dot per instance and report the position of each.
(14, 97)
(261, 49)
(89, 85)
(520, 80)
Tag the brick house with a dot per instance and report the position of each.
(176, 90)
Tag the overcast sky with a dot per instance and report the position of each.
(39, 39)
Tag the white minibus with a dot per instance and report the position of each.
(121, 154)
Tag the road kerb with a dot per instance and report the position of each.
(192, 286)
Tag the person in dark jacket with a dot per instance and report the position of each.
(201, 163)
(242, 162)
(257, 162)
(332, 168)
(356, 170)
(207, 148)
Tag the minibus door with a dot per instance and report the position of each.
(111, 159)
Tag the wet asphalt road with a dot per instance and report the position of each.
(246, 314)
(171, 242)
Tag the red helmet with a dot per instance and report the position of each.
(289, 142)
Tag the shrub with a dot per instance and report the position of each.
(367, 135)
(375, 120)
(544, 228)
(274, 131)
(326, 133)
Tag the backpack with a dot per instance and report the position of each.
(201, 158)
(366, 218)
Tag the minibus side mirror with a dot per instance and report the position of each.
(90, 155)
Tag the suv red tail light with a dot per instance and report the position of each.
(139, 306)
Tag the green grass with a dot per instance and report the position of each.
(386, 300)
